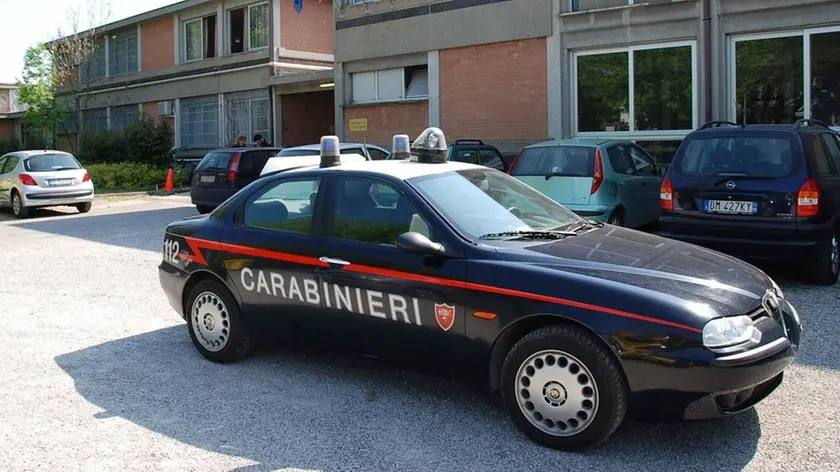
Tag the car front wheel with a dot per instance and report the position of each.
(563, 389)
(215, 325)
(826, 268)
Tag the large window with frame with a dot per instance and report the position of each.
(402, 83)
(95, 120)
(783, 77)
(641, 90)
(122, 52)
(123, 116)
(248, 28)
(247, 114)
(199, 126)
(199, 38)
(96, 65)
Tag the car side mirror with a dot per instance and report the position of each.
(413, 242)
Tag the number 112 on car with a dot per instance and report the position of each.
(171, 248)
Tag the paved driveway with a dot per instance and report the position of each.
(98, 373)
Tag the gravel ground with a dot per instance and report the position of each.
(99, 374)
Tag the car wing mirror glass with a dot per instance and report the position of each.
(413, 242)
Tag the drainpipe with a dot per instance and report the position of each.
(706, 42)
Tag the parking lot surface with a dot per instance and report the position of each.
(98, 373)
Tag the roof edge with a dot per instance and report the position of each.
(149, 15)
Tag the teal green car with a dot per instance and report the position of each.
(610, 181)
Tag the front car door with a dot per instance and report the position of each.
(399, 311)
(271, 255)
(5, 184)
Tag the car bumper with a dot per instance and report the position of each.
(37, 197)
(173, 281)
(771, 242)
(727, 385)
(210, 196)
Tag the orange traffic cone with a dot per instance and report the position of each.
(170, 184)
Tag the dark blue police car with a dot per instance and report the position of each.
(465, 270)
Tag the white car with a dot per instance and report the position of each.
(30, 179)
(280, 162)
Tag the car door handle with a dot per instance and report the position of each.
(333, 261)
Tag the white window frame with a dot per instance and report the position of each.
(184, 24)
(805, 34)
(571, 5)
(248, 25)
(403, 97)
(658, 135)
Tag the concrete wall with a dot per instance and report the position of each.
(420, 26)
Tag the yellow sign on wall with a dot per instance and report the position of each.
(358, 125)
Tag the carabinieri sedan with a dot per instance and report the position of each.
(469, 272)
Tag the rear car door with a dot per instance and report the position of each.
(387, 298)
(271, 254)
(251, 163)
(651, 181)
(630, 185)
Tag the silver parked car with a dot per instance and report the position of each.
(47, 178)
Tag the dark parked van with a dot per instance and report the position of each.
(222, 172)
(758, 192)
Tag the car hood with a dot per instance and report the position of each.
(651, 265)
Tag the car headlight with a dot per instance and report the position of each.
(729, 331)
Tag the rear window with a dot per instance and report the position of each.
(573, 161)
(759, 156)
(215, 161)
(50, 162)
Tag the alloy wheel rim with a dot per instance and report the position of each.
(16, 204)
(557, 393)
(210, 321)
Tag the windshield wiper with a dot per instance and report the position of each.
(579, 225)
(531, 234)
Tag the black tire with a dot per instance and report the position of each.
(18, 209)
(617, 217)
(237, 343)
(203, 209)
(825, 268)
(84, 207)
(607, 403)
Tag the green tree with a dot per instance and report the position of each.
(37, 89)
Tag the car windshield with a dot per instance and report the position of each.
(754, 156)
(51, 162)
(481, 202)
(572, 161)
(215, 161)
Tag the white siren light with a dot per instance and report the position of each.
(330, 154)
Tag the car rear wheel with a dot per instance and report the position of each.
(84, 207)
(563, 389)
(18, 209)
(826, 268)
(215, 325)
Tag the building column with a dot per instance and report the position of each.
(434, 88)
(177, 121)
(555, 75)
(340, 98)
(277, 113)
(720, 72)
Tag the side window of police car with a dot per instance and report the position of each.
(371, 211)
(284, 205)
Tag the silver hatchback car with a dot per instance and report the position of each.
(47, 178)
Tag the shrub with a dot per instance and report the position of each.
(130, 176)
(145, 141)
